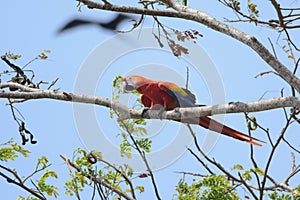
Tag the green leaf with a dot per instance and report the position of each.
(97, 154)
(43, 54)
(237, 167)
(145, 144)
(209, 187)
(128, 169)
(43, 161)
(117, 82)
(125, 149)
(28, 198)
(140, 131)
(235, 4)
(12, 56)
(140, 122)
(10, 151)
(259, 171)
(252, 9)
(76, 183)
(282, 196)
(247, 175)
(44, 187)
(140, 188)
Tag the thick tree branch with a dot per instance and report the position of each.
(188, 13)
(126, 113)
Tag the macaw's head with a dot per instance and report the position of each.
(133, 82)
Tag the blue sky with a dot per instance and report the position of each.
(28, 27)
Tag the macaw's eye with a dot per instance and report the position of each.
(129, 87)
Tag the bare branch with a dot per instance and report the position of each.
(190, 173)
(17, 181)
(279, 13)
(274, 147)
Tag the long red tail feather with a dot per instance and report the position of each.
(213, 125)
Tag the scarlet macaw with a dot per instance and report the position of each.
(170, 96)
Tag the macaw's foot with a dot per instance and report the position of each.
(144, 111)
(161, 112)
(176, 109)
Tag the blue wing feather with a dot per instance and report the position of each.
(182, 101)
(184, 97)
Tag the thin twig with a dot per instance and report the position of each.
(53, 83)
(279, 139)
(291, 146)
(274, 52)
(252, 155)
(247, 186)
(20, 184)
(190, 173)
(35, 171)
(187, 77)
(143, 156)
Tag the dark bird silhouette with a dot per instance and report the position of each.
(110, 25)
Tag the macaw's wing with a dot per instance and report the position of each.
(184, 97)
(146, 101)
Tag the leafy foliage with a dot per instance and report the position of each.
(252, 9)
(247, 173)
(42, 164)
(282, 196)
(130, 126)
(209, 187)
(13, 56)
(11, 150)
(125, 146)
(28, 198)
(77, 180)
(145, 144)
(87, 173)
(235, 4)
(44, 187)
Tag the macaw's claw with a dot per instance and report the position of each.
(177, 109)
(144, 111)
(160, 111)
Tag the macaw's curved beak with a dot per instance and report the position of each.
(127, 86)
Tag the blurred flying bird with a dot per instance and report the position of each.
(110, 25)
